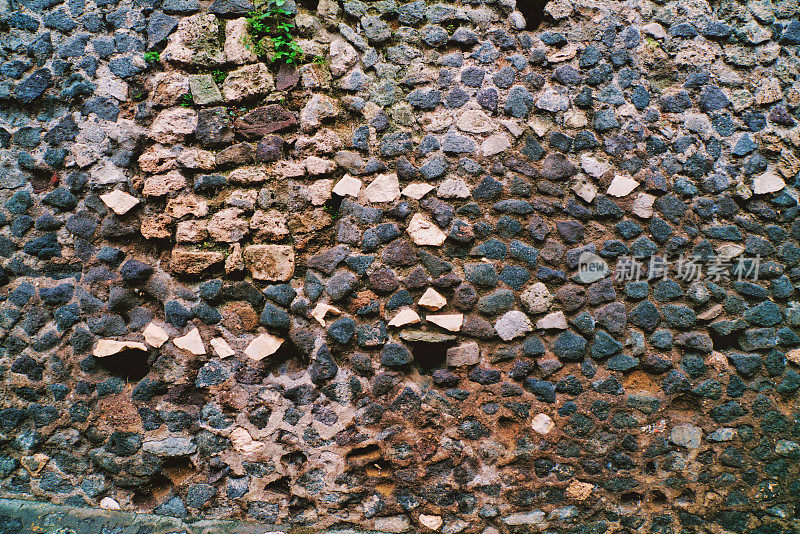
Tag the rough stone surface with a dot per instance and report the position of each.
(412, 280)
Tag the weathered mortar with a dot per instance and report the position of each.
(346, 295)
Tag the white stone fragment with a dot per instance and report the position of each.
(593, 166)
(585, 190)
(404, 316)
(109, 347)
(643, 205)
(263, 346)
(107, 503)
(512, 324)
(622, 186)
(432, 300)
(321, 310)
(495, 144)
(453, 188)
(542, 424)
(221, 348)
(450, 322)
(384, 188)
(552, 321)
(769, 182)
(417, 190)
(433, 522)
(513, 126)
(191, 342)
(347, 186)
(474, 121)
(119, 202)
(424, 232)
(155, 336)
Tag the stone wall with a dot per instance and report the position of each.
(347, 294)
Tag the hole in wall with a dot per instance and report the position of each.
(533, 11)
(429, 356)
(130, 364)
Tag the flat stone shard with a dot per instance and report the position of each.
(347, 186)
(384, 188)
(475, 121)
(643, 205)
(110, 347)
(273, 263)
(424, 232)
(321, 310)
(433, 522)
(107, 503)
(766, 183)
(417, 190)
(119, 201)
(622, 186)
(450, 322)
(552, 321)
(594, 167)
(155, 336)
(404, 316)
(191, 342)
(525, 518)
(204, 89)
(222, 348)
(432, 300)
(262, 346)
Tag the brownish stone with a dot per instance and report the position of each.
(189, 261)
(265, 120)
(239, 317)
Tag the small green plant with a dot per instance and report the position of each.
(273, 34)
(187, 101)
(152, 57)
(219, 76)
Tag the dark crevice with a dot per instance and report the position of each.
(130, 364)
(533, 11)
